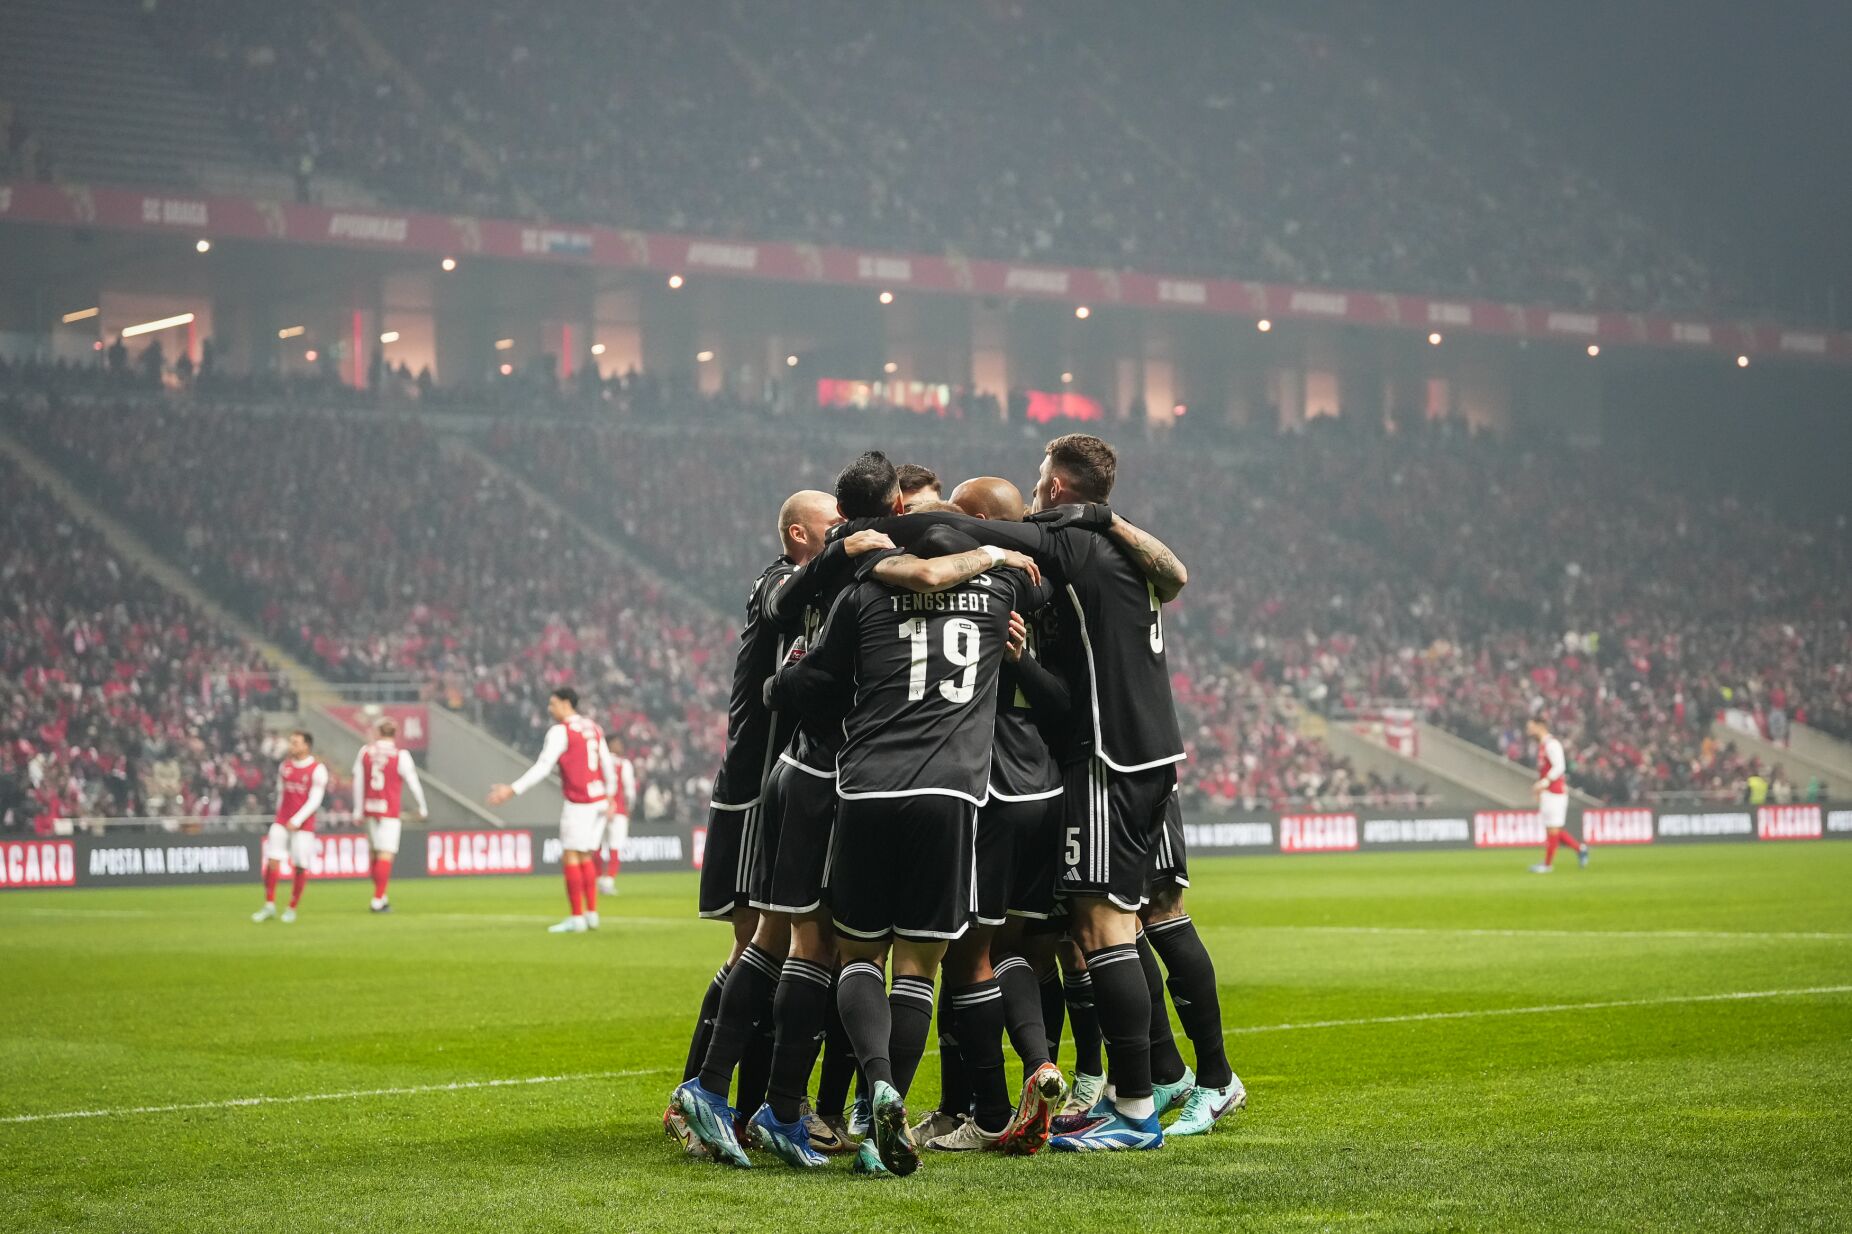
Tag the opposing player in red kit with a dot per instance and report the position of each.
(575, 745)
(1552, 793)
(302, 780)
(382, 772)
(607, 859)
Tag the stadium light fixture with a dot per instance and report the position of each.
(887, 297)
(448, 264)
(1263, 325)
(675, 282)
(292, 331)
(507, 370)
(311, 355)
(702, 357)
(1082, 311)
(202, 245)
(597, 349)
(1067, 379)
(1742, 362)
(504, 344)
(390, 336)
(1594, 349)
(1434, 339)
(81, 315)
(890, 367)
(790, 361)
(149, 327)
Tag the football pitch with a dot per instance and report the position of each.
(1429, 1040)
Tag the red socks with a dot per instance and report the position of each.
(302, 880)
(575, 892)
(382, 871)
(270, 883)
(588, 885)
(597, 864)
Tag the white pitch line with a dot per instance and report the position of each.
(403, 1091)
(1545, 1009)
(464, 1085)
(1776, 935)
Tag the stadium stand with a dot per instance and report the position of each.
(1283, 154)
(116, 696)
(1473, 579)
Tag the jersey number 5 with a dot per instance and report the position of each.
(961, 648)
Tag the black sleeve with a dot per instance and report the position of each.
(785, 606)
(1058, 550)
(821, 686)
(1045, 689)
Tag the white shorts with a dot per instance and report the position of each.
(581, 825)
(616, 831)
(383, 835)
(281, 845)
(1555, 809)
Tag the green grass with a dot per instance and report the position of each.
(1658, 1115)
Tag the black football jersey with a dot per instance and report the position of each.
(920, 673)
(755, 734)
(799, 608)
(1023, 769)
(1111, 649)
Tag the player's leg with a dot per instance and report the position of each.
(800, 1011)
(1190, 975)
(579, 825)
(275, 852)
(1084, 1017)
(301, 856)
(383, 836)
(977, 1032)
(1171, 1078)
(617, 831)
(1112, 823)
(1553, 808)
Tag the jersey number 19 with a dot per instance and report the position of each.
(961, 650)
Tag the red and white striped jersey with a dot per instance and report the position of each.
(300, 786)
(1551, 766)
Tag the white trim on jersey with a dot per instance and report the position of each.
(846, 795)
(821, 775)
(996, 794)
(1093, 690)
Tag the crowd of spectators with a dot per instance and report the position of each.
(1274, 145)
(117, 698)
(365, 546)
(1474, 579)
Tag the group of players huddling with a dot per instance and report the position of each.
(951, 746)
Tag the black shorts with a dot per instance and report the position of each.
(1170, 862)
(1112, 825)
(905, 866)
(1018, 843)
(723, 867)
(797, 814)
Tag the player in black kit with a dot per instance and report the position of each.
(1119, 752)
(912, 678)
(780, 981)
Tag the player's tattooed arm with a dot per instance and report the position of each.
(1166, 573)
(927, 574)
